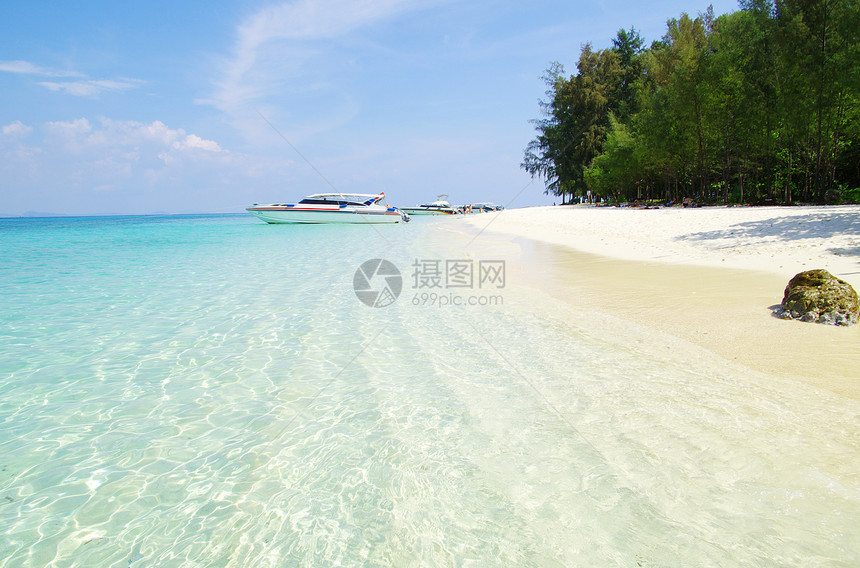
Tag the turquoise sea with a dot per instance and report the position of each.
(209, 391)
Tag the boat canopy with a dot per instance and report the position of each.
(342, 199)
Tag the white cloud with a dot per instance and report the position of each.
(127, 140)
(69, 128)
(27, 68)
(17, 128)
(272, 43)
(156, 132)
(89, 88)
(192, 141)
(107, 165)
(83, 87)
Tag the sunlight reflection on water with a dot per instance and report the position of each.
(209, 391)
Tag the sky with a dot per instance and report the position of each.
(151, 106)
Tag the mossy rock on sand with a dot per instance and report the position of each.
(818, 296)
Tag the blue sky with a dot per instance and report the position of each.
(143, 107)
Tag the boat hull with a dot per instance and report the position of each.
(285, 215)
(426, 211)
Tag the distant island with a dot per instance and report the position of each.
(758, 106)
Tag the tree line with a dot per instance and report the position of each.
(756, 106)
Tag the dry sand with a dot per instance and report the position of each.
(709, 276)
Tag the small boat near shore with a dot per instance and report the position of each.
(473, 208)
(331, 208)
(439, 207)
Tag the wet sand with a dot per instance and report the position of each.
(684, 290)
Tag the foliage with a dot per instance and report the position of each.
(851, 195)
(760, 105)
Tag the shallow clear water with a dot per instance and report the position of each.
(209, 391)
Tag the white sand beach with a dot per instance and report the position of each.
(781, 240)
(709, 276)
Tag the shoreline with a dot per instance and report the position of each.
(716, 291)
(782, 240)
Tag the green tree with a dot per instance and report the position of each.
(819, 47)
(544, 156)
(615, 171)
(577, 118)
(741, 85)
(759, 104)
(628, 46)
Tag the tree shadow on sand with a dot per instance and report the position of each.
(812, 225)
(845, 251)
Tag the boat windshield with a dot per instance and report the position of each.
(330, 201)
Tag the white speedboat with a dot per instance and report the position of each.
(331, 208)
(438, 207)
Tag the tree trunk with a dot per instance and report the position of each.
(819, 182)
